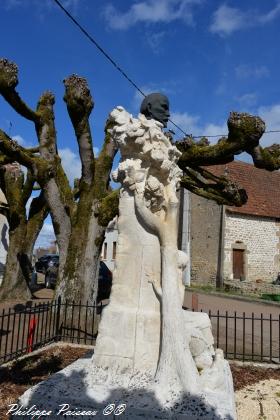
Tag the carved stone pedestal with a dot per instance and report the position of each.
(150, 355)
(129, 332)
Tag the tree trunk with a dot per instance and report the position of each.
(14, 285)
(77, 281)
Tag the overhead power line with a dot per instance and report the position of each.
(225, 135)
(113, 62)
(124, 74)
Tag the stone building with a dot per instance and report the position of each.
(109, 248)
(238, 243)
(226, 243)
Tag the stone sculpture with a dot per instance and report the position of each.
(156, 106)
(172, 348)
(150, 354)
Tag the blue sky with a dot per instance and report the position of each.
(209, 57)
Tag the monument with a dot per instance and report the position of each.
(144, 330)
(150, 354)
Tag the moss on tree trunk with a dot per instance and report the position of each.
(14, 285)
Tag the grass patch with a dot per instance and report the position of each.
(271, 297)
(206, 288)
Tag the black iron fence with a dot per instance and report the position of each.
(247, 337)
(25, 329)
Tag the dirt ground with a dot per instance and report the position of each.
(17, 377)
(21, 375)
(40, 294)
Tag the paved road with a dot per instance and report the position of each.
(253, 330)
(208, 302)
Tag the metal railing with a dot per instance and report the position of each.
(247, 337)
(25, 329)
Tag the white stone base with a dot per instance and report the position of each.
(85, 387)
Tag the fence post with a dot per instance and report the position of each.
(57, 326)
(195, 302)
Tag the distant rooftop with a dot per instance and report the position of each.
(262, 187)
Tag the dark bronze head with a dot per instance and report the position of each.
(156, 106)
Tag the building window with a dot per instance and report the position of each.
(114, 250)
(105, 251)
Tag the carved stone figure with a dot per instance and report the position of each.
(144, 329)
(156, 106)
(150, 354)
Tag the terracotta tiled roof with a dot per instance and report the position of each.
(262, 187)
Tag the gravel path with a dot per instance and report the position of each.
(259, 401)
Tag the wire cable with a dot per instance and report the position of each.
(225, 135)
(113, 62)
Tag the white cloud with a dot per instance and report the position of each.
(70, 160)
(154, 40)
(246, 71)
(247, 100)
(271, 117)
(28, 204)
(46, 236)
(150, 11)
(41, 6)
(227, 19)
(191, 124)
(271, 15)
(147, 89)
(138, 98)
(71, 164)
(22, 142)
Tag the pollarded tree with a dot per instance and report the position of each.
(245, 132)
(23, 229)
(79, 215)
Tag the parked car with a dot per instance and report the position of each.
(104, 279)
(51, 274)
(46, 261)
(104, 282)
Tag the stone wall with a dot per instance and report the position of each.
(205, 232)
(260, 239)
(251, 287)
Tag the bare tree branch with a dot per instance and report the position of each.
(244, 134)
(11, 150)
(80, 104)
(104, 163)
(8, 82)
(266, 158)
(220, 189)
(35, 149)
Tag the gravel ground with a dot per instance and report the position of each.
(259, 401)
(257, 389)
